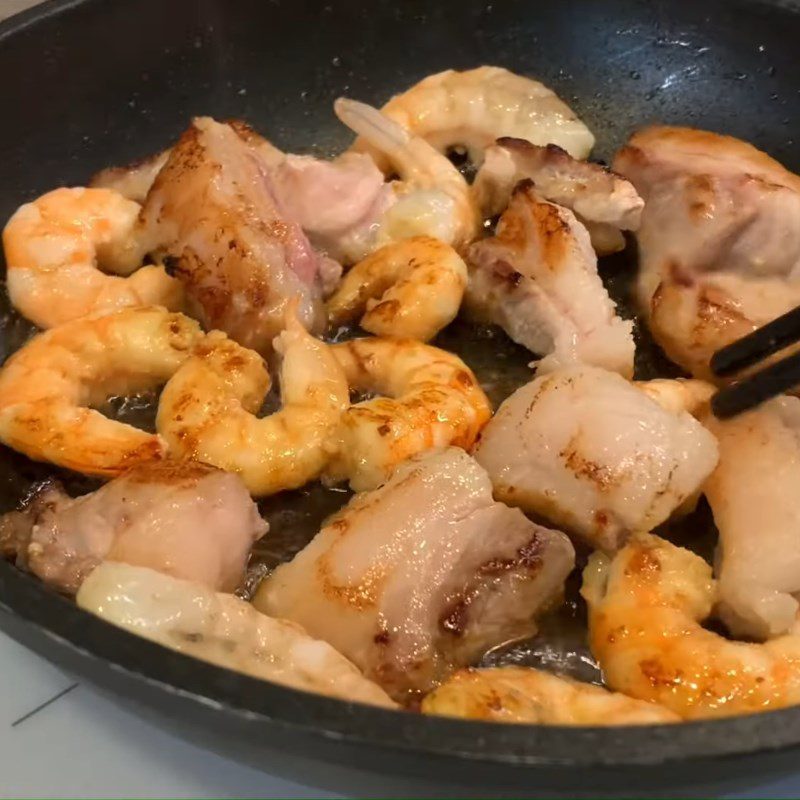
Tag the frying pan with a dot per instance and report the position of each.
(89, 83)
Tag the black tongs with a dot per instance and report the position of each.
(776, 378)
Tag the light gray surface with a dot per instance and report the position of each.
(83, 745)
(9, 7)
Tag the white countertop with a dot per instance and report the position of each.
(61, 739)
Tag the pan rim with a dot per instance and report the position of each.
(52, 617)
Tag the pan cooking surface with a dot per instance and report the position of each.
(97, 83)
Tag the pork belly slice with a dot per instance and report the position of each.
(606, 203)
(422, 576)
(595, 454)
(537, 279)
(754, 494)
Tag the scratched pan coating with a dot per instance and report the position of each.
(88, 83)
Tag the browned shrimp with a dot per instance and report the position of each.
(433, 401)
(207, 410)
(55, 245)
(645, 609)
(48, 388)
(409, 290)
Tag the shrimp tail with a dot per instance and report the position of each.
(381, 132)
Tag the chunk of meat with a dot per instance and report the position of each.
(594, 454)
(223, 630)
(719, 241)
(754, 495)
(422, 575)
(185, 519)
(338, 203)
(214, 217)
(520, 694)
(537, 278)
(603, 201)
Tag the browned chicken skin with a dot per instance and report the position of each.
(719, 241)
(212, 215)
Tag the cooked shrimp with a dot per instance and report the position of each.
(645, 609)
(48, 387)
(522, 694)
(473, 108)
(433, 401)
(420, 283)
(207, 410)
(222, 629)
(55, 245)
(434, 198)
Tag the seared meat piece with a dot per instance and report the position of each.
(213, 215)
(719, 241)
(222, 629)
(422, 575)
(755, 496)
(604, 202)
(537, 278)
(182, 518)
(594, 454)
(338, 203)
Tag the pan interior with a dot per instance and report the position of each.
(725, 65)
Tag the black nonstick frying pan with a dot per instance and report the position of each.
(89, 83)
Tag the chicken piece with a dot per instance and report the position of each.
(213, 216)
(223, 630)
(754, 496)
(422, 575)
(719, 241)
(594, 454)
(537, 278)
(521, 694)
(338, 203)
(604, 202)
(182, 518)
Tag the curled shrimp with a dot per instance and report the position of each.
(56, 245)
(433, 401)
(434, 198)
(523, 694)
(207, 410)
(420, 283)
(48, 387)
(645, 609)
(473, 108)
